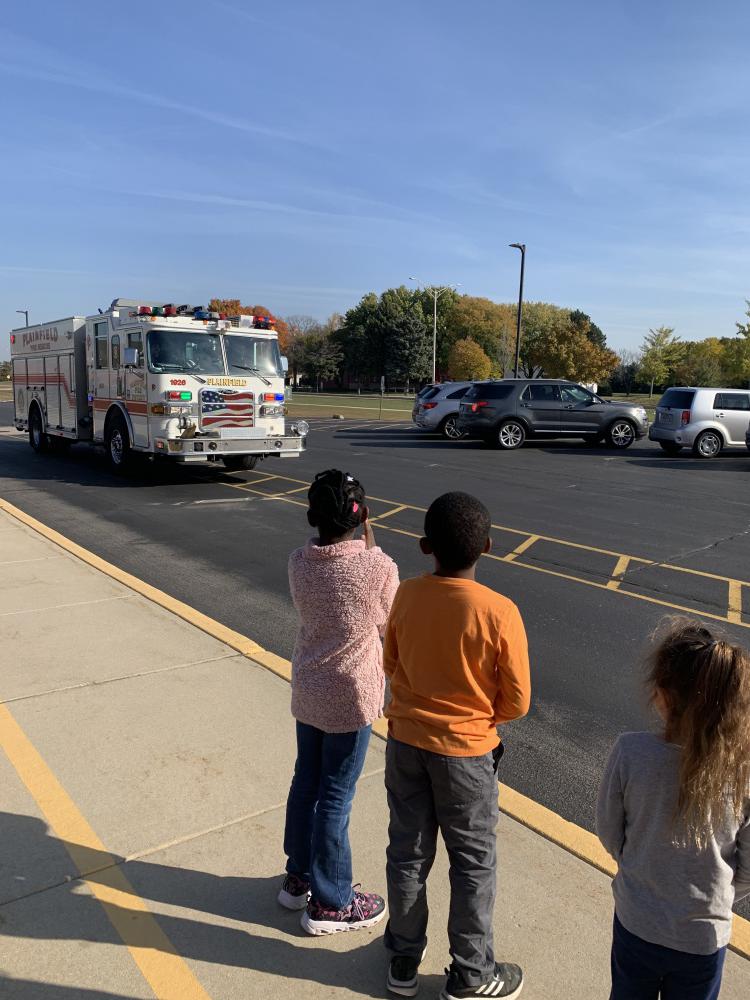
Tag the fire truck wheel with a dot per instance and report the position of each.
(37, 438)
(117, 444)
(237, 462)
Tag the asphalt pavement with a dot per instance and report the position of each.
(220, 543)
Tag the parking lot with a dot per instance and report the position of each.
(595, 547)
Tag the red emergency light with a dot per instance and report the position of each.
(144, 310)
(12, 338)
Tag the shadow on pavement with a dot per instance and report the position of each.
(248, 900)
(28, 989)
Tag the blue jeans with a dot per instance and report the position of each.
(316, 837)
(645, 971)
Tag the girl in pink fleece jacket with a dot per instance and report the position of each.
(342, 589)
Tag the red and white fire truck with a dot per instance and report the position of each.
(156, 379)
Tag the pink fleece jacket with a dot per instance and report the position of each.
(343, 594)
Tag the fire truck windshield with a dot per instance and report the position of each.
(175, 351)
(259, 355)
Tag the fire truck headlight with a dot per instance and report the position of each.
(301, 427)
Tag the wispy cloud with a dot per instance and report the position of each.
(23, 58)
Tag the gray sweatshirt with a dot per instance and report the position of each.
(674, 896)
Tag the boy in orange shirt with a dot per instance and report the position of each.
(457, 658)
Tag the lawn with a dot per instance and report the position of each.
(364, 407)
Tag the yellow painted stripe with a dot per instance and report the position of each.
(735, 602)
(520, 549)
(619, 571)
(163, 969)
(518, 807)
(388, 513)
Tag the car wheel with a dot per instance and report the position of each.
(510, 435)
(117, 444)
(708, 444)
(621, 434)
(37, 438)
(449, 429)
(670, 447)
(236, 463)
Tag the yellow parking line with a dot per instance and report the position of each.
(164, 970)
(735, 602)
(394, 510)
(520, 549)
(619, 571)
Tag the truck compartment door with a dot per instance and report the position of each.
(52, 390)
(20, 392)
(68, 402)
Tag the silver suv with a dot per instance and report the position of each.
(706, 420)
(437, 409)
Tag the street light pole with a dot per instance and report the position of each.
(25, 313)
(522, 248)
(435, 291)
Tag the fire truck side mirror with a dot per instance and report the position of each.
(284, 364)
(130, 357)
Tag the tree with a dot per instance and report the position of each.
(320, 358)
(468, 362)
(660, 352)
(292, 343)
(585, 325)
(4, 371)
(551, 342)
(489, 324)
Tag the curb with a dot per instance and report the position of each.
(546, 823)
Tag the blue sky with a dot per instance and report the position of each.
(300, 154)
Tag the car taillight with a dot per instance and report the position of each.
(479, 405)
(685, 418)
(429, 406)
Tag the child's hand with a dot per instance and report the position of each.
(368, 535)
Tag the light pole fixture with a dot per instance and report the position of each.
(24, 312)
(435, 291)
(522, 248)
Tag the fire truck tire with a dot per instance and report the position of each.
(37, 438)
(235, 463)
(117, 444)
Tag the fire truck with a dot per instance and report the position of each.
(155, 379)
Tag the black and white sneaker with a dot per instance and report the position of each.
(403, 978)
(294, 893)
(507, 983)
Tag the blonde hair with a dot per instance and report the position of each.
(706, 685)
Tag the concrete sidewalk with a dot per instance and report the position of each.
(154, 759)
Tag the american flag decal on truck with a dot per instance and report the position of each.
(226, 408)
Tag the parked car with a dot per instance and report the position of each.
(437, 409)
(506, 412)
(706, 420)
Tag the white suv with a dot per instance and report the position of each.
(706, 420)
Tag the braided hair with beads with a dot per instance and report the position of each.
(336, 502)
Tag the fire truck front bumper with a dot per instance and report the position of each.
(209, 449)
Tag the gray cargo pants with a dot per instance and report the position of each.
(428, 792)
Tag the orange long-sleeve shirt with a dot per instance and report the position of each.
(457, 658)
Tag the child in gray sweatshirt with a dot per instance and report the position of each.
(674, 812)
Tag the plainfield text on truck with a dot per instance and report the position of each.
(156, 379)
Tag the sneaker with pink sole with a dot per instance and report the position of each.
(365, 910)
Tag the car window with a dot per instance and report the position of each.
(732, 401)
(678, 399)
(542, 393)
(458, 393)
(576, 394)
(424, 396)
(489, 391)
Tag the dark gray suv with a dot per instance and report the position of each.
(505, 413)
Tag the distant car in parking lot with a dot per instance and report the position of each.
(506, 412)
(437, 408)
(706, 420)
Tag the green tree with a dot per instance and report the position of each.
(468, 362)
(321, 358)
(661, 351)
(490, 324)
(292, 344)
(4, 371)
(585, 325)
